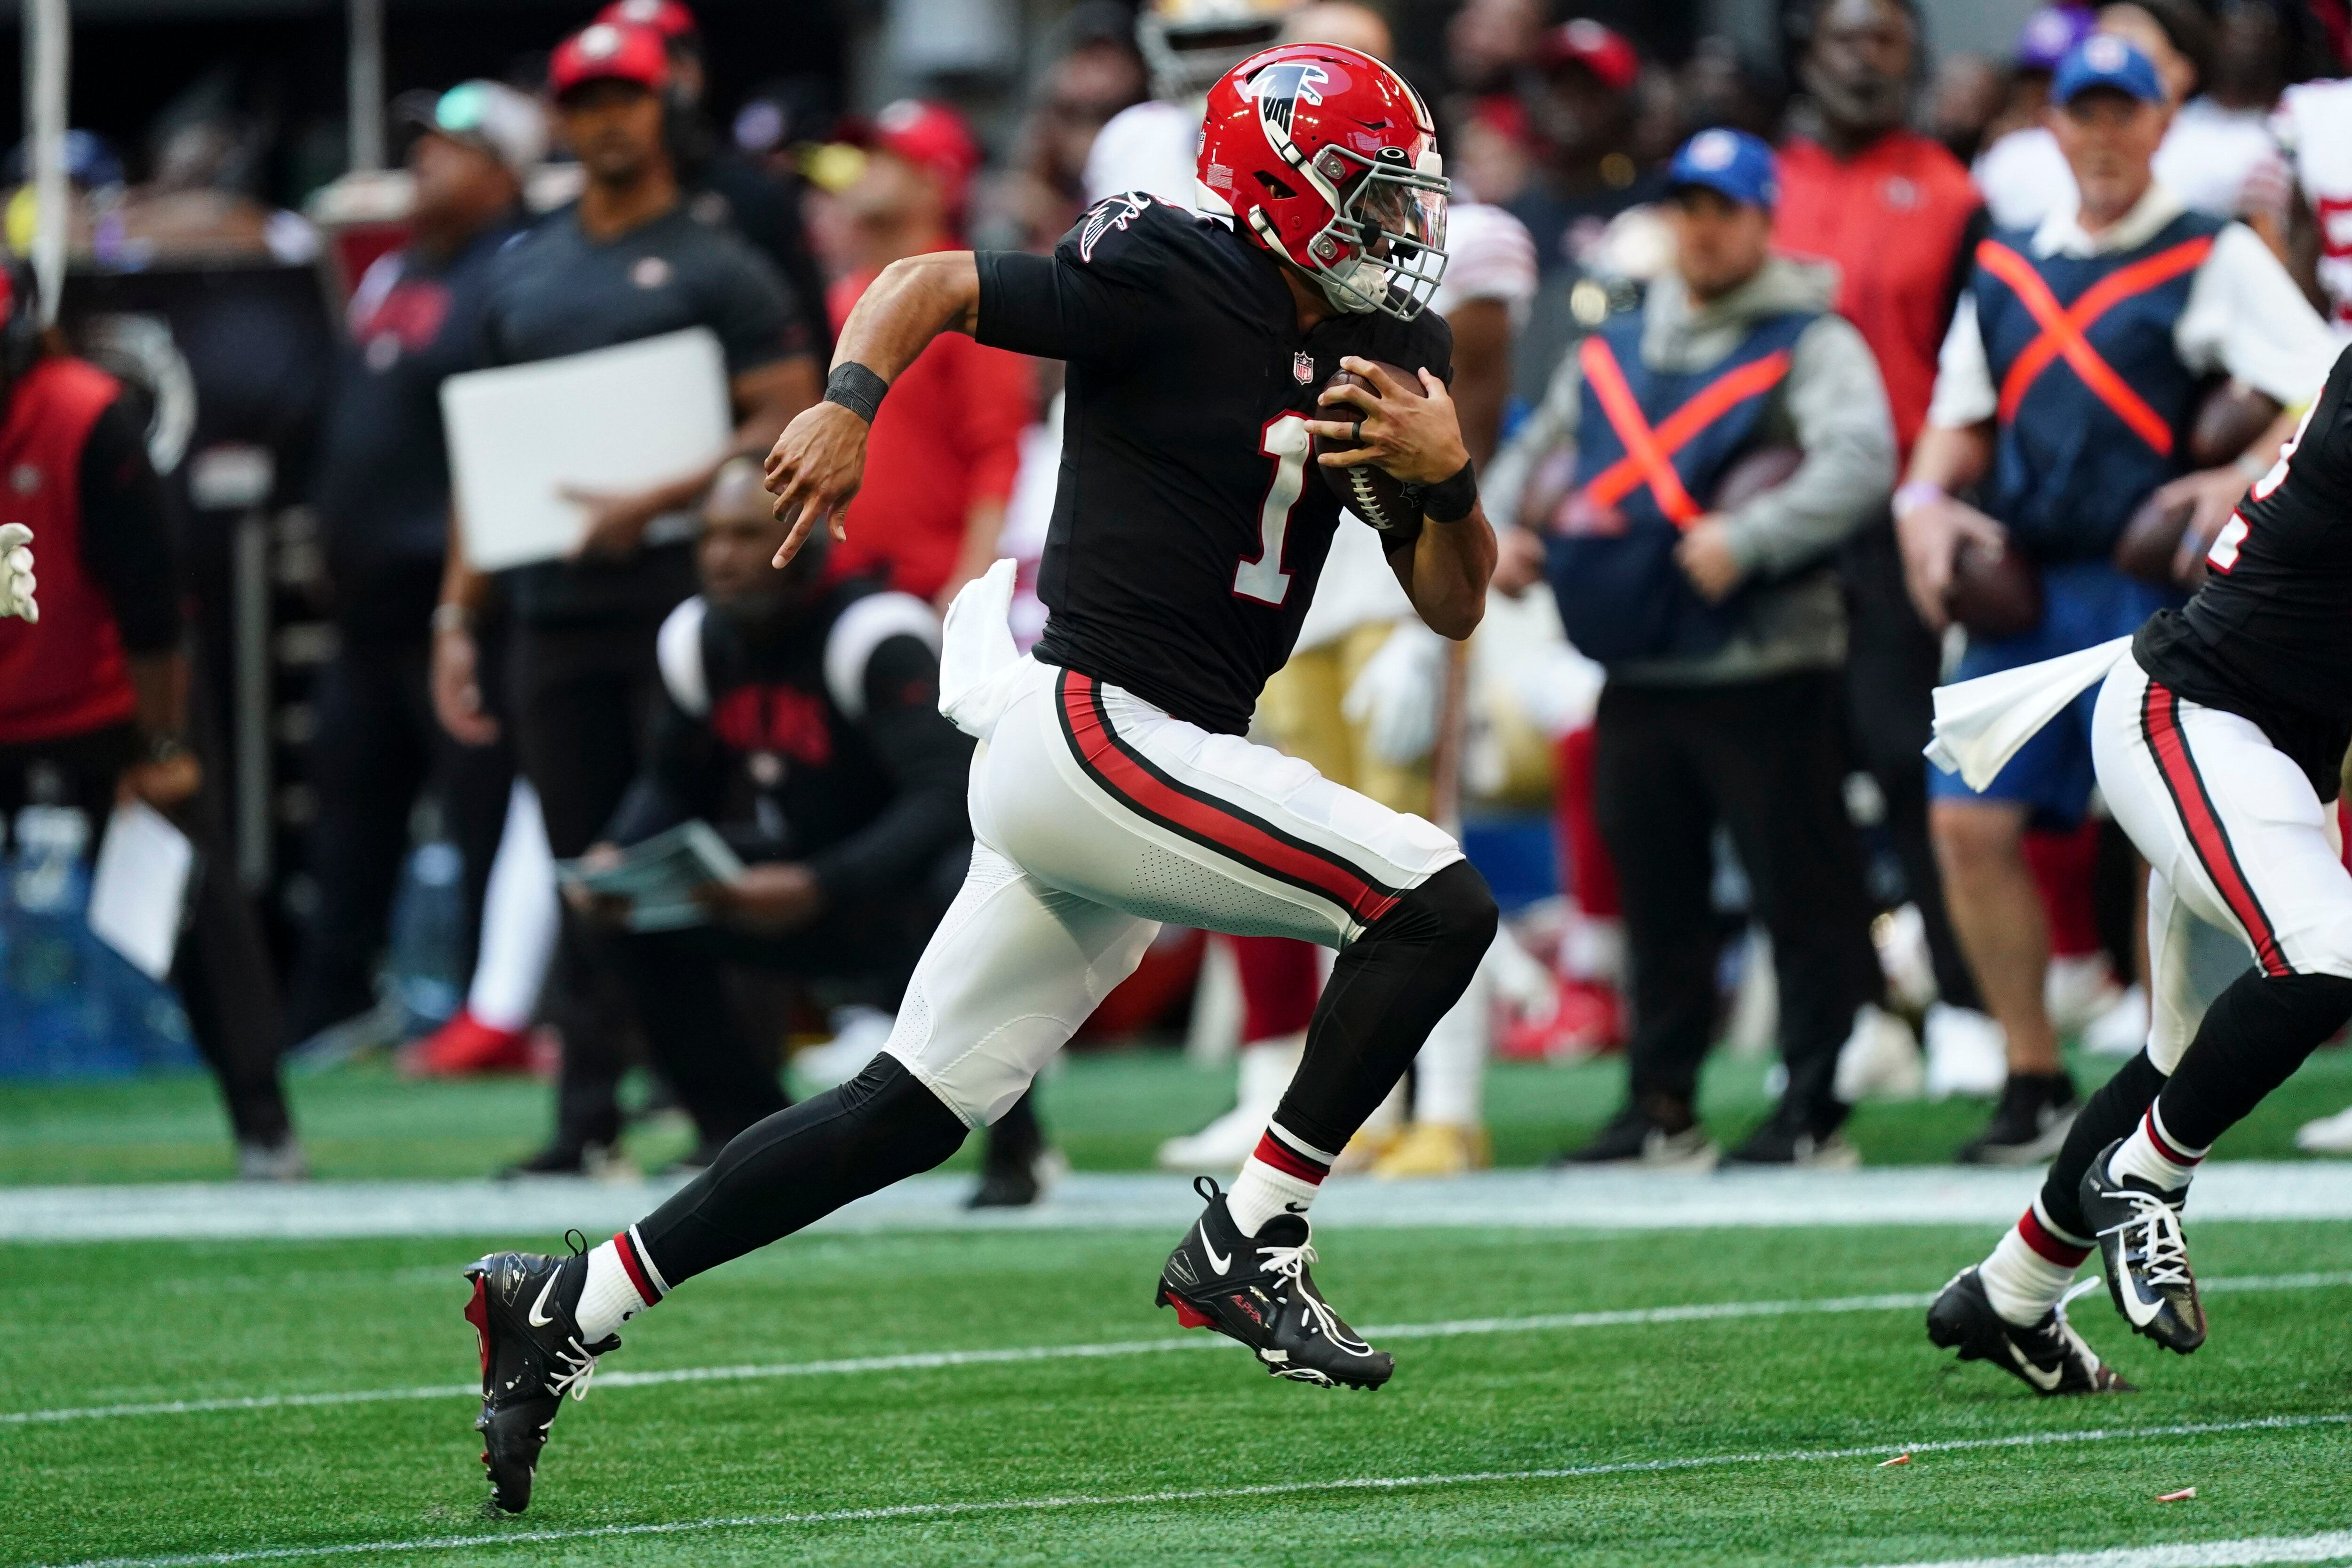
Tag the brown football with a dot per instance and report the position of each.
(2227, 422)
(2151, 539)
(1765, 469)
(1373, 493)
(1994, 594)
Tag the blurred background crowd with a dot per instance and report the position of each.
(288, 225)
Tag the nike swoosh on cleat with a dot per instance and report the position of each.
(539, 1318)
(2047, 1382)
(2138, 1307)
(1222, 1264)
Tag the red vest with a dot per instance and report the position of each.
(1891, 218)
(65, 676)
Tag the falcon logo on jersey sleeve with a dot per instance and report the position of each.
(1279, 88)
(1111, 213)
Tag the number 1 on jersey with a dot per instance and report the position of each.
(1285, 440)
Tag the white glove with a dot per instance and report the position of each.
(16, 572)
(1395, 696)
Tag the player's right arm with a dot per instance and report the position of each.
(816, 464)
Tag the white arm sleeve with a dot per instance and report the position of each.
(1964, 390)
(863, 627)
(677, 651)
(2246, 316)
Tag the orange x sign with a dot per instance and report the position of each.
(1648, 451)
(2062, 330)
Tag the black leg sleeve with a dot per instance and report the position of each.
(2111, 1113)
(2253, 1036)
(799, 1166)
(1388, 990)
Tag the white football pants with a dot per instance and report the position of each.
(2234, 836)
(1097, 817)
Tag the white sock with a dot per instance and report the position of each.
(622, 1283)
(2155, 1156)
(520, 915)
(2028, 1273)
(1284, 1174)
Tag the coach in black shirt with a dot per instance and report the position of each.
(627, 262)
(383, 498)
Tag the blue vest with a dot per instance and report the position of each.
(1611, 565)
(2072, 461)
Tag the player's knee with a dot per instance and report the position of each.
(1453, 911)
(892, 1106)
(2319, 1001)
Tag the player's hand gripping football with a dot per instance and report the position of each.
(813, 470)
(1412, 432)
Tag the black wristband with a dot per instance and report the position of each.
(855, 388)
(1451, 501)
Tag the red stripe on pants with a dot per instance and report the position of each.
(1230, 831)
(2160, 721)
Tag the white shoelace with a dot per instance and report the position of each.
(579, 1369)
(1290, 1262)
(2074, 1340)
(2163, 1251)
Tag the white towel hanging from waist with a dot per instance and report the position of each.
(1981, 724)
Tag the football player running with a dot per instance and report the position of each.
(1113, 788)
(2218, 737)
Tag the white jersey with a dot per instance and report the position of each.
(2314, 126)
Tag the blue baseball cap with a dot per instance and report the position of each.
(1732, 163)
(2104, 60)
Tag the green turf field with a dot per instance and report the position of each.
(1740, 1439)
(1108, 1112)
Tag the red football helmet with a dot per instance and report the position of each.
(1331, 160)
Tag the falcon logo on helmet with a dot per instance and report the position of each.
(1279, 88)
(1328, 159)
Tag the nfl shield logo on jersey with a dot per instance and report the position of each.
(1302, 368)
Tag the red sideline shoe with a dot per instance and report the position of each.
(1587, 1020)
(464, 1046)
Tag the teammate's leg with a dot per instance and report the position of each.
(2244, 841)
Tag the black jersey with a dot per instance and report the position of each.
(1187, 533)
(2269, 637)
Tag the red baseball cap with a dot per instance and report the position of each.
(933, 137)
(673, 21)
(1599, 50)
(609, 51)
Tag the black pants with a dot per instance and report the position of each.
(222, 971)
(1893, 662)
(1765, 759)
(378, 748)
(862, 953)
(581, 697)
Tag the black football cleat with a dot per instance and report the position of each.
(2049, 1358)
(1256, 1289)
(531, 1357)
(2144, 1254)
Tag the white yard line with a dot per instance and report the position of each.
(927, 1361)
(1610, 1200)
(2330, 1546)
(1292, 1489)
